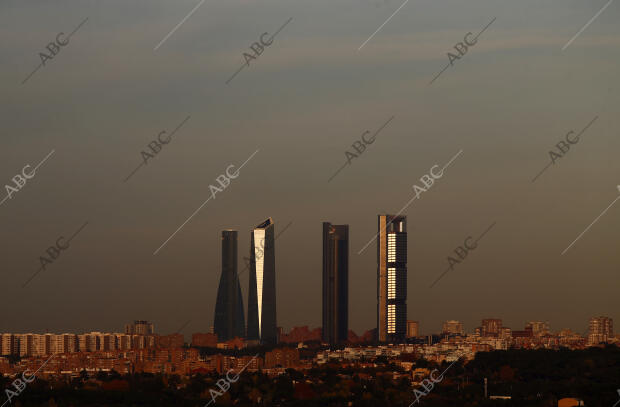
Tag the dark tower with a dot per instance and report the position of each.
(335, 283)
(262, 324)
(392, 278)
(229, 320)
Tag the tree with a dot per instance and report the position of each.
(506, 373)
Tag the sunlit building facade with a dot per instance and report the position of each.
(601, 329)
(539, 328)
(413, 329)
(262, 325)
(140, 328)
(491, 327)
(452, 328)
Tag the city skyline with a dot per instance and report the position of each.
(387, 224)
(97, 357)
(460, 160)
(600, 326)
(304, 103)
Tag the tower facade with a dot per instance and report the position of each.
(392, 278)
(262, 325)
(229, 321)
(335, 283)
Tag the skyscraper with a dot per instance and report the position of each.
(335, 283)
(262, 324)
(229, 321)
(392, 278)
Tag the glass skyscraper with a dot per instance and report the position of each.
(392, 278)
(335, 283)
(229, 321)
(262, 324)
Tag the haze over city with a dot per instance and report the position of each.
(302, 105)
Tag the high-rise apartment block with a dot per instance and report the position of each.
(413, 329)
(538, 328)
(335, 283)
(490, 327)
(452, 328)
(47, 344)
(392, 278)
(140, 328)
(601, 330)
(229, 321)
(10, 344)
(30, 344)
(262, 325)
(505, 333)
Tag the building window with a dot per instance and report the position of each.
(391, 283)
(391, 318)
(391, 248)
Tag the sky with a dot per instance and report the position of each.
(291, 114)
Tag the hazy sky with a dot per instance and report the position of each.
(302, 103)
